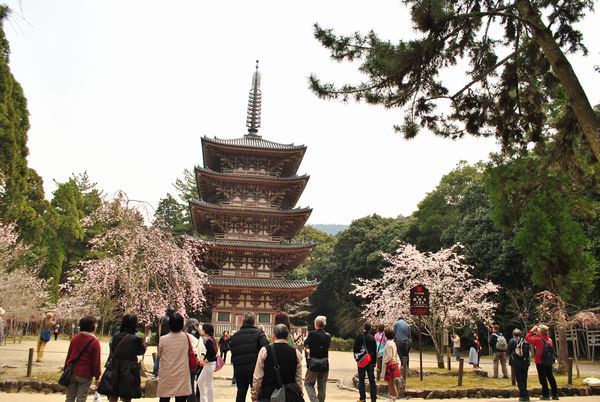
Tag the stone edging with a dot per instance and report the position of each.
(30, 386)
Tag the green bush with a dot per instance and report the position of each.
(341, 345)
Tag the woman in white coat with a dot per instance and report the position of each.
(174, 370)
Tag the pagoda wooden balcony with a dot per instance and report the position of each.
(249, 237)
(245, 273)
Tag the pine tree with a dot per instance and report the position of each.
(516, 54)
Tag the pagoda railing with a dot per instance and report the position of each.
(244, 273)
(249, 237)
(219, 328)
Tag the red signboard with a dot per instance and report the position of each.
(419, 300)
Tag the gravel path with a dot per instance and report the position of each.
(13, 361)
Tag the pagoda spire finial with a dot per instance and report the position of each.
(254, 101)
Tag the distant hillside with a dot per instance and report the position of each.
(330, 228)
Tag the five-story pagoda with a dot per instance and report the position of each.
(248, 189)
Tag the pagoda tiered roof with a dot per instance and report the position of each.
(255, 146)
(209, 181)
(294, 252)
(206, 217)
(264, 283)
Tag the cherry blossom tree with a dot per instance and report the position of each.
(456, 297)
(554, 311)
(22, 293)
(136, 269)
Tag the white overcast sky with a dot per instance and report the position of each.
(126, 89)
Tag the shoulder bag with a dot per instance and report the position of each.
(219, 363)
(362, 357)
(65, 378)
(192, 358)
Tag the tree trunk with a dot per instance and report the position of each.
(588, 122)
(563, 350)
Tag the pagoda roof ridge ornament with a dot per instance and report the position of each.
(254, 103)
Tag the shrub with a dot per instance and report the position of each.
(341, 345)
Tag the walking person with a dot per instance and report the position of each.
(174, 369)
(46, 326)
(245, 345)
(380, 341)
(163, 329)
(456, 345)
(299, 339)
(194, 335)
(518, 359)
(391, 363)
(224, 345)
(403, 339)
(289, 361)
(499, 345)
(56, 331)
(544, 358)
(474, 350)
(122, 376)
(368, 341)
(205, 379)
(2, 312)
(84, 355)
(284, 318)
(317, 348)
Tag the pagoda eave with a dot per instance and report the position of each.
(211, 183)
(206, 217)
(263, 285)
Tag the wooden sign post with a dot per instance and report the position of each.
(419, 306)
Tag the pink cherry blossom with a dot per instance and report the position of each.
(22, 293)
(456, 297)
(137, 269)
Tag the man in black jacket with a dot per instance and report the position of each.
(245, 345)
(518, 358)
(317, 348)
(365, 338)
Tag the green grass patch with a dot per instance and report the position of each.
(449, 380)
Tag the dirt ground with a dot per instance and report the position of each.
(13, 363)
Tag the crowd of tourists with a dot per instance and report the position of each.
(188, 356)
(388, 348)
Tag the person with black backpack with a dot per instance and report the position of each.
(545, 356)
(499, 345)
(518, 359)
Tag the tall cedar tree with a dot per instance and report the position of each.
(21, 195)
(516, 54)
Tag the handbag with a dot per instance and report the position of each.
(320, 364)
(67, 373)
(362, 357)
(109, 381)
(219, 363)
(192, 358)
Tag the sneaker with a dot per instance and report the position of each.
(544, 398)
(524, 399)
(555, 398)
